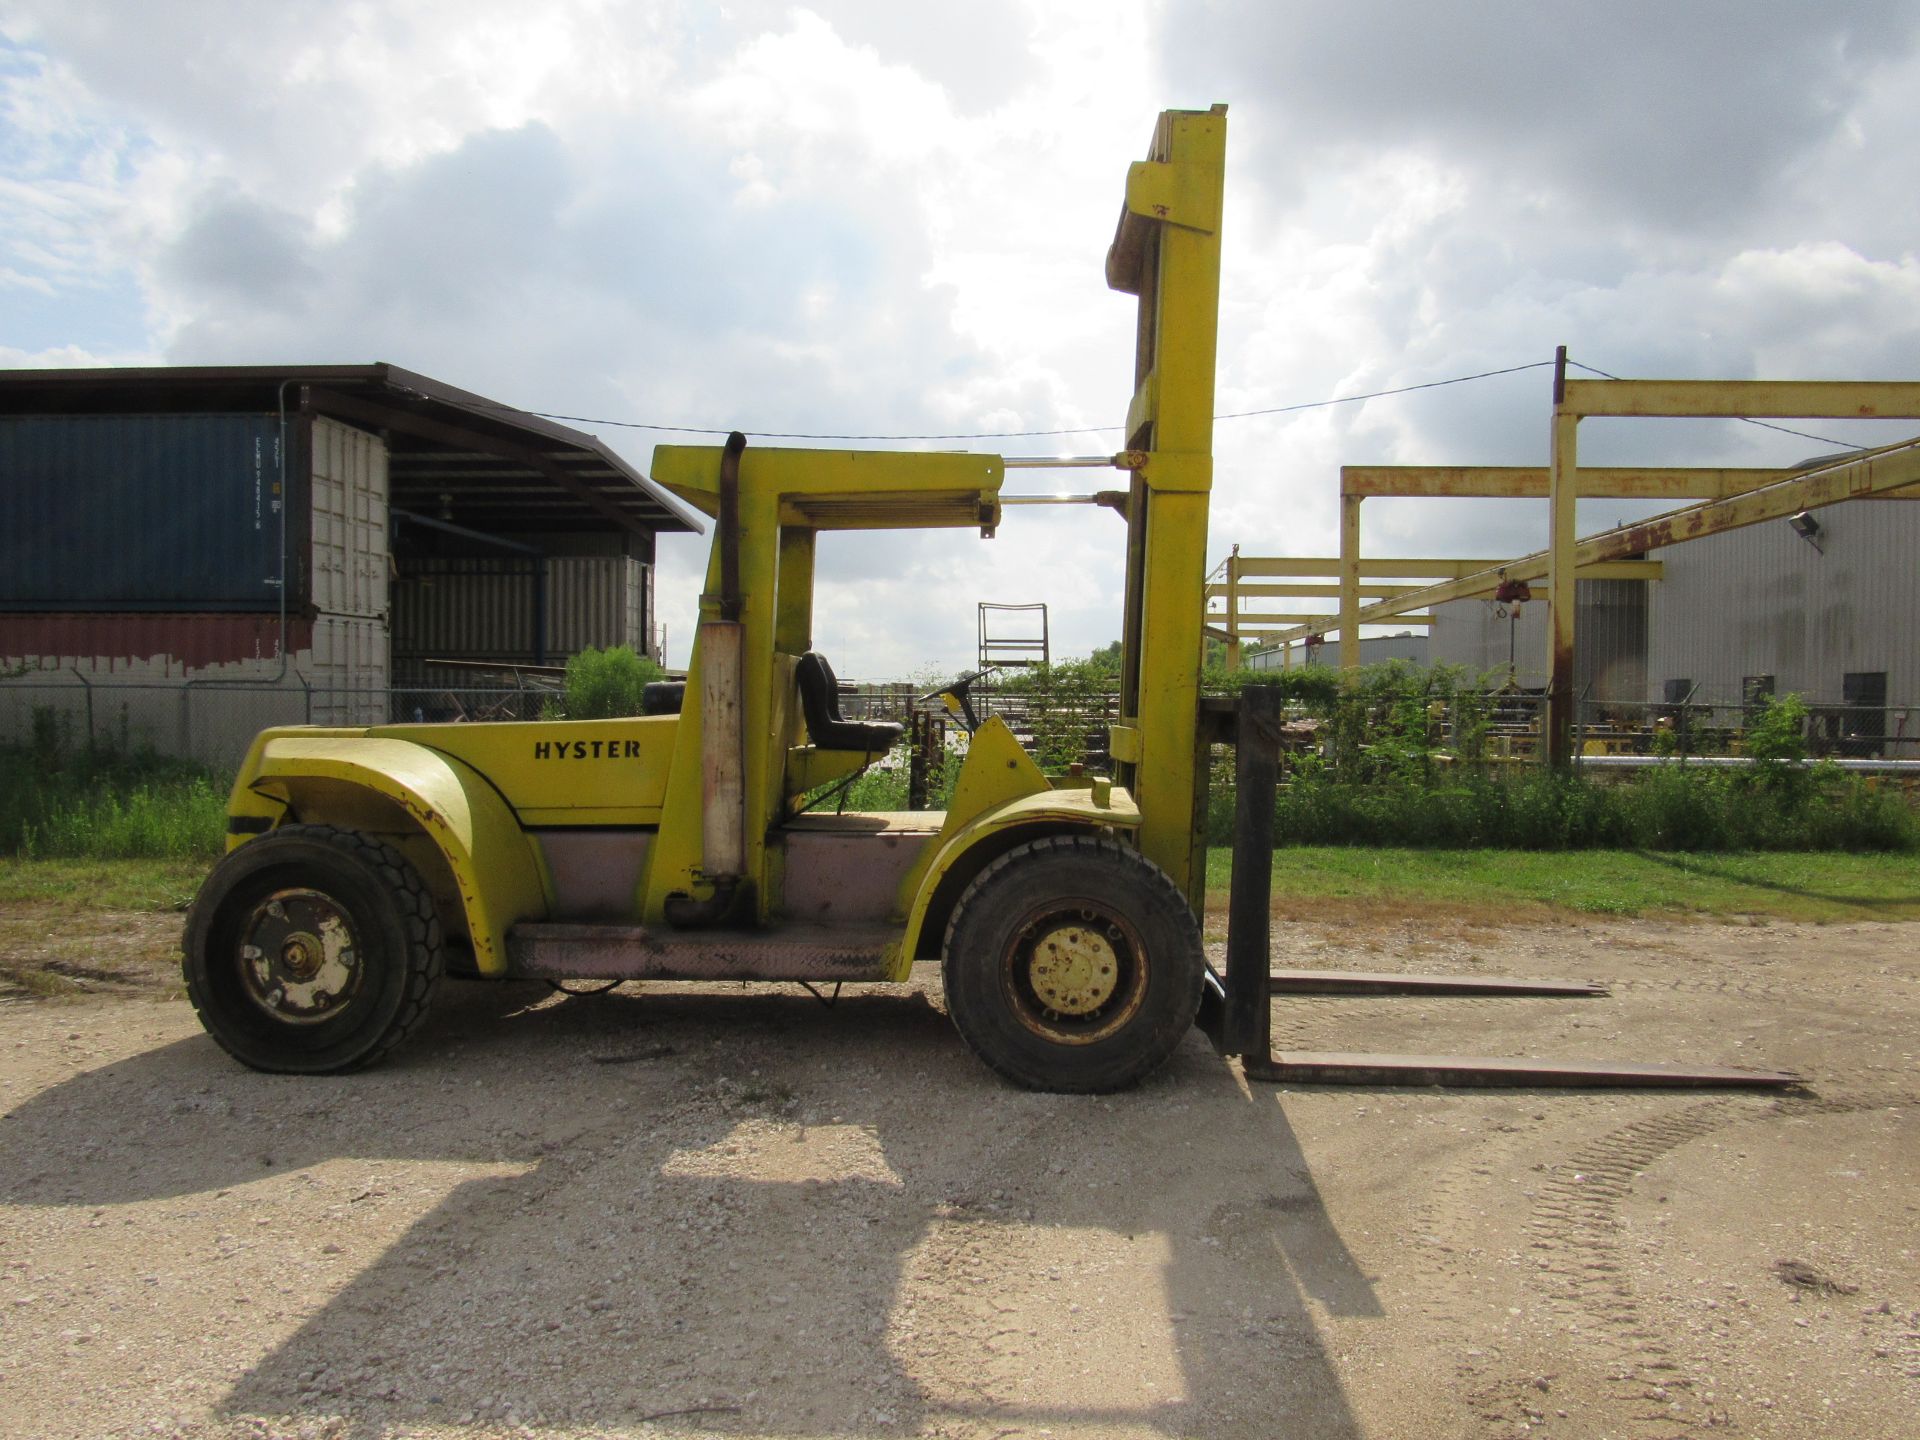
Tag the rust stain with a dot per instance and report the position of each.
(185, 641)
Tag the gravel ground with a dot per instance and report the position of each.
(668, 1212)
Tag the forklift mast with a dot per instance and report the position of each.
(1166, 251)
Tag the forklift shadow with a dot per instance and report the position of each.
(755, 1213)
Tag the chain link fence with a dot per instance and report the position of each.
(213, 722)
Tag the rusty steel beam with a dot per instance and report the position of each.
(1312, 618)
(1349, 581)
(1529, 482)
(1485, 582)
(1328, 567)
(1307, 591)
(1563, 463)
(1746, 399)
(1865, 478)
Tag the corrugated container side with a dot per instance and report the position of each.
(139, 512)
(349, 670)
(349, 521)
(464, 609)
(482, 609)
(592, 602)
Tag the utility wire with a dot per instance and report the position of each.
(1011, 434)
(1379, 394)
(1293, 409)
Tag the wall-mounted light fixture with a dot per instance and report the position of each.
(1807, 528)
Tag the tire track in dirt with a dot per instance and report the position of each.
(1575, 1225)
(1575, 1228)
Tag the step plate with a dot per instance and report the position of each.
(1366, 982)
(636, 952)
(1330, 1068)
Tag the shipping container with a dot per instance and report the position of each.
(348, 670)
(348, 519)
(484, 608)
(139, 512)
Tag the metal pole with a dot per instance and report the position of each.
(88, 686)
(1233, 609)
(1350, 582)
(1562, 490)
(1247, 1030)
(920, 730)
(540, 610)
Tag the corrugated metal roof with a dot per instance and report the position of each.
(501, 469)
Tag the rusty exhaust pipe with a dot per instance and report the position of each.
(723, 794)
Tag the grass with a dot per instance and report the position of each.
(79, 885)
(1313, 881)
(57, 801)
(1497, 886)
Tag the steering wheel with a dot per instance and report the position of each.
(957, 697)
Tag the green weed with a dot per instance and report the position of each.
(95, 803)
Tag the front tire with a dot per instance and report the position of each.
(1073, 964)
(312, 950)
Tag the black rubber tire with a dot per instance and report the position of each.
(399, 956)
(1035, 890)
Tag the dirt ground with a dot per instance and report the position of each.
(686, 1213)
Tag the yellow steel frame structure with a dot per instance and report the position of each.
(1731, 497)
(1575, 400)
(1358, 579)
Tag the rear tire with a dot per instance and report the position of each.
(1073, 964)
(312, 950)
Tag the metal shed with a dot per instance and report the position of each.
(326, 529)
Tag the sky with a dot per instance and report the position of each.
(882, 219)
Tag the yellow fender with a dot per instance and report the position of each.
(358, 780)
(1000, 791)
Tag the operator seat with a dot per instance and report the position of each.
(826, 727)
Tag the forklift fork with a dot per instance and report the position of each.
(1236, 1008)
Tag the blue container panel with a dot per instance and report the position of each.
(139, 512)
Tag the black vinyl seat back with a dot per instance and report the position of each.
(820, 704)
(663, 697)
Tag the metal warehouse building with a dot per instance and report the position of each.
(1825, 606)
(328, 543)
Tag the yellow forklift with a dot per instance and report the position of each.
(363, 864)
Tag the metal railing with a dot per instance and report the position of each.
(212, 722)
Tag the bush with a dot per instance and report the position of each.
(1665, 807)
(1066, 703)
(1402, 762)
(607, 684)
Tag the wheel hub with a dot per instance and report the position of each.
(299, 959)
(1074, 970)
